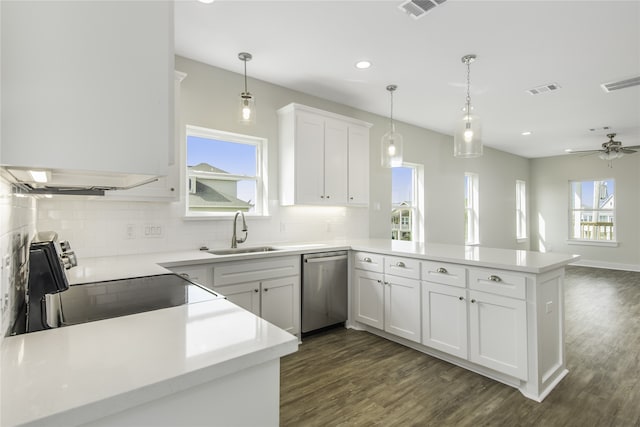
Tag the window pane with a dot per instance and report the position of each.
(223, 175)
(592, 212)
(402, 186)
(231, 157)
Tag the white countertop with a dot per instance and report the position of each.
(71, 375)
(78, 373)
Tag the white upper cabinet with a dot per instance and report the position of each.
(358, 168)
(88, 86)
(324, 158)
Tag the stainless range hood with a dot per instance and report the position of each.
(79, 183)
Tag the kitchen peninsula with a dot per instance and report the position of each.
(184, 361)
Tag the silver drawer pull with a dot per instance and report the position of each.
(367, 259)
(442, 270)
(400, 264)
(494, 278)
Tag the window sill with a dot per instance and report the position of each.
(608, 243)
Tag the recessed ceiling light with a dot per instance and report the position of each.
(363, 65)
(526, 133)
(206, 1)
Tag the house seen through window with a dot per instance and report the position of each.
(406, 192)
(225, 173)
(592, 210)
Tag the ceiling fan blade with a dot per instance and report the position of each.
(627, 150)
(584, 151)
(631, 147)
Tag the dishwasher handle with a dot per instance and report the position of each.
(324, 259)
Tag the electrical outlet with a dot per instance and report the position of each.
(152, 231)
(549, 307)
(130, 231)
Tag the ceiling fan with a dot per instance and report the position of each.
(610, 150)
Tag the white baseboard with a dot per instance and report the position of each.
(606, 264)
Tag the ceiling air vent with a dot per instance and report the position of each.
(550, 87)
(622, 84)
(418, 8)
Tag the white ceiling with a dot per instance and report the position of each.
(312, 46)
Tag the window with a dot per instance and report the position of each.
(226, 172)
(406, 193)
(521, 210)
(471, 209)
(592, 210)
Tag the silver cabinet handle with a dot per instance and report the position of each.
(367, 259)
(351, 198)
(494, 278)
(322, 197)
(473, 301)
(266, 289)
(461, 298)
(379, 281)
(442, 270)
(386, 283)
(400, 264)
(256, 290)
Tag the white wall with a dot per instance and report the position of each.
(209, 99)
(550, 206)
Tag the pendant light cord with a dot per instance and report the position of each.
(391, 115)
(468, 90)
(245, 77)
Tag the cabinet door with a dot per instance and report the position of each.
(358, 168)
(281, 303)
(368, 298)
(444, 318)
(402, 307)
(498, 333)
(309, 159)
(335, 162)
(245, 295)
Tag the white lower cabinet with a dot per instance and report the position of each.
(257, 286)
(387, 302)
(444, 318)
(498, 333)
(482, 327)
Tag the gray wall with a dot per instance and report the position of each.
(550, 206)
(209, 97)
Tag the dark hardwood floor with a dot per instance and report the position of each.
(351, 378)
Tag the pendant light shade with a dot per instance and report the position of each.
(467, 140)
(391, 145)
(247, 107)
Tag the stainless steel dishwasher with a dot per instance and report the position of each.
(324, 290)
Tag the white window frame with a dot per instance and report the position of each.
(417, 186)
(572, 211)
(521, 211)
(261, 177)
(472, 212)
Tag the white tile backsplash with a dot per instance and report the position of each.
(17, 227)
(98, 227)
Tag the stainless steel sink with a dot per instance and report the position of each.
(243, 250)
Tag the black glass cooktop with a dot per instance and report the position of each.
(114, 298)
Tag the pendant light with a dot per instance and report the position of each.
(247, 110)
(392, 140)
(467, 141)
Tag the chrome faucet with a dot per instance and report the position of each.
(234, 238)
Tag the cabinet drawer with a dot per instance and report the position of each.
(498, 282)
(403, 267)
(196, 273)
(447, 274)
(368, 261)
(251, 270)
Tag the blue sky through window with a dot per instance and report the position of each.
(234, 158)
(401, 185)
